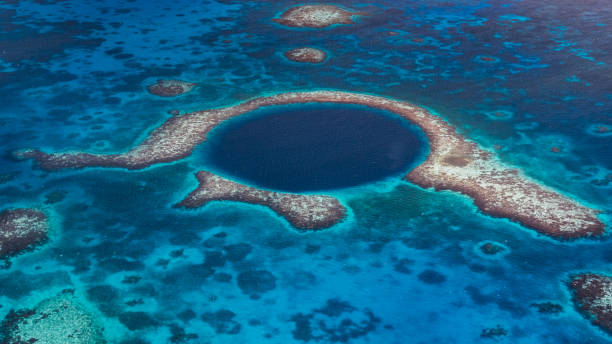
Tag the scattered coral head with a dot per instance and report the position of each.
(306, 55)
(170, 88)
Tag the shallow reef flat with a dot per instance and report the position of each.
(57, 320)
(20, 230)
(302, 211)
(316, 16)
(593, 297)
(454, 162)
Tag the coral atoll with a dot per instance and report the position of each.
(454, 162)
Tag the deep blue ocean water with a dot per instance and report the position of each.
(315, 147)
(518, 77)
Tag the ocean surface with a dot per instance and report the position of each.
(530, 80)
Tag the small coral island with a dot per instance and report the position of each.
(57, 320)
(20, 230)
(593, 296)
(306, 55)
(302, 211)
(170, 88)
(454, 163)
(316, 16)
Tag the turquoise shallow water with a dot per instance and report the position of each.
(518, 77)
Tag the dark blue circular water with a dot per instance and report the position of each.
(315, 147)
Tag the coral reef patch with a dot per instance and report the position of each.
(306, 55)
(58, 320)
(302, 211)
(170, 88)
(454, 162)
(21, 229)
(593, 297)
(316, 16)
(337, 322)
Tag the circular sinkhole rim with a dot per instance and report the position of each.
(199, 158)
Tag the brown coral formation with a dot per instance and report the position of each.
(20, 230)
(302, 211)
(316, 16)
(593, 296)
(306, 55)
(170, 88)
(454, 163)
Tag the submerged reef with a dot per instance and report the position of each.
(491, 248)
(548, 307)
(593, 296)
(20, 230)
(336, 322)
(60, 319)
(494, 332)
(170, 88)
(302, 211)
(454, 163)
(600, 129)
(316, 16)
(306, 55)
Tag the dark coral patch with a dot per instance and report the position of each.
(491, 248)
(186, 315)
(50, 39)
(120, 264)
(338, 321)
(222, 321)
(432, 277)
(494, 332)
(179, 335)
(214, 259)
(548, 307)
(136, 320)
(403, 266)
(237, 252)
(222, 277)
(18, 284)
(106, 297)
(255, 282)
(55, 197)
(503, 301)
